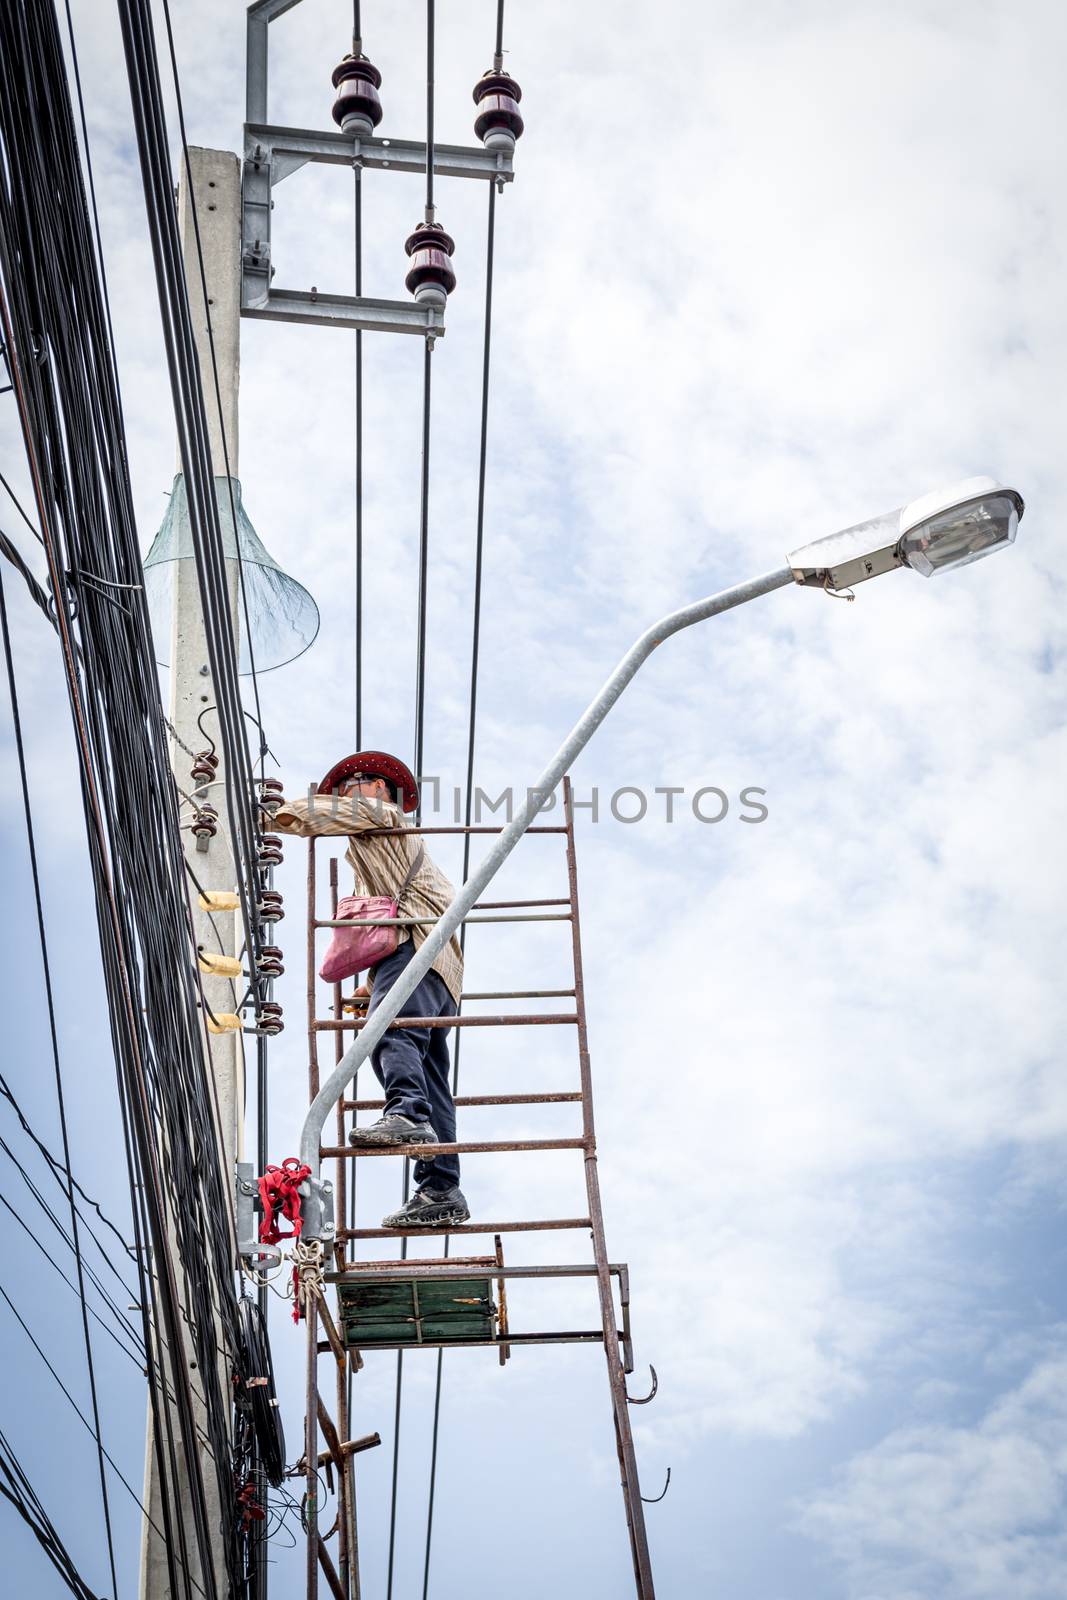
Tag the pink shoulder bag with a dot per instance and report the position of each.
(353, 950)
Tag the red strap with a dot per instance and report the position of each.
(278, 1191)
(250, 1509)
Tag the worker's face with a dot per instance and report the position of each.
(366, 788)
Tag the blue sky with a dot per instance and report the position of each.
(764, 271)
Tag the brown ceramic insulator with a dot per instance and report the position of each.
(430, 248)
(357, 82)
(497, 97)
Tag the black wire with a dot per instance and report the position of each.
(37, 593)
(16, 1487)
(72, 422)
(359, 447)
(93, 1277)
(429, 108)
(58, 1071)
(137, 1358)
(56, 1164)
(112, 1463)
(424, 550)
(17, 503)
(475, 643)
(215, 378)
(420, 718)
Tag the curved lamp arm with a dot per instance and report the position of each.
(443, 930)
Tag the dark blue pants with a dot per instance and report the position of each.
(412, 1063)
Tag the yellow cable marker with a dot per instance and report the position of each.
(219, 966)
(219, 900)
(223, 1022)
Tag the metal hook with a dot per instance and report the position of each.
(652, 1393)
(655, 1499)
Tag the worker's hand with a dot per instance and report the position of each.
(362, 993)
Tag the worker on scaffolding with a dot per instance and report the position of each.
(366, 797)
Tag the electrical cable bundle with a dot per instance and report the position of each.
(183, 362)
(56, 332)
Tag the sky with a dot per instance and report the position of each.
(765, 271)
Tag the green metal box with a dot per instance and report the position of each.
(403, 1311)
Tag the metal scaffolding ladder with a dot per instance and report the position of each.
(434, 1304)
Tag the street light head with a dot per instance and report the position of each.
(945, 529)
(958, 525)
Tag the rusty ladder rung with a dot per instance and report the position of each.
(431, 922)
(447, 1267)
(553, 1223)
(547, 1019)
(568, 1097)
(427, 1152)
(515, 905)
(578, 1336)
(421, 1261)
(520, 994)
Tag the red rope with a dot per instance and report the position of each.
(279, 1192)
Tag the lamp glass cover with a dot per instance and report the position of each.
(961, 534)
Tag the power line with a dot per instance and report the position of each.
(58, 1072)
(74, 432)
(479, 546)
(137, 1359)
(17, 503)
(420, 690)
(112, 1463)
(54, 1163)
(16, 1487)
(215, 377)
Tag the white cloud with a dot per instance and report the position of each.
(961, 1513)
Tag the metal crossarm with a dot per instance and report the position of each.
(273, 153)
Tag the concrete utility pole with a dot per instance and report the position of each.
(213, 180)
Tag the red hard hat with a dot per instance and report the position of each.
(375, 764)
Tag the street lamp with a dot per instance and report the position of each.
(939, 531)
(942, 530)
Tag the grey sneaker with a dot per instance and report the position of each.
(430, 1208)
(393, 1129)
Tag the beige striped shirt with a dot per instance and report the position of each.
(380, 862)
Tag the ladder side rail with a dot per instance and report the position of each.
(631, 1485)
(311, 1398)
(347, 1537)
